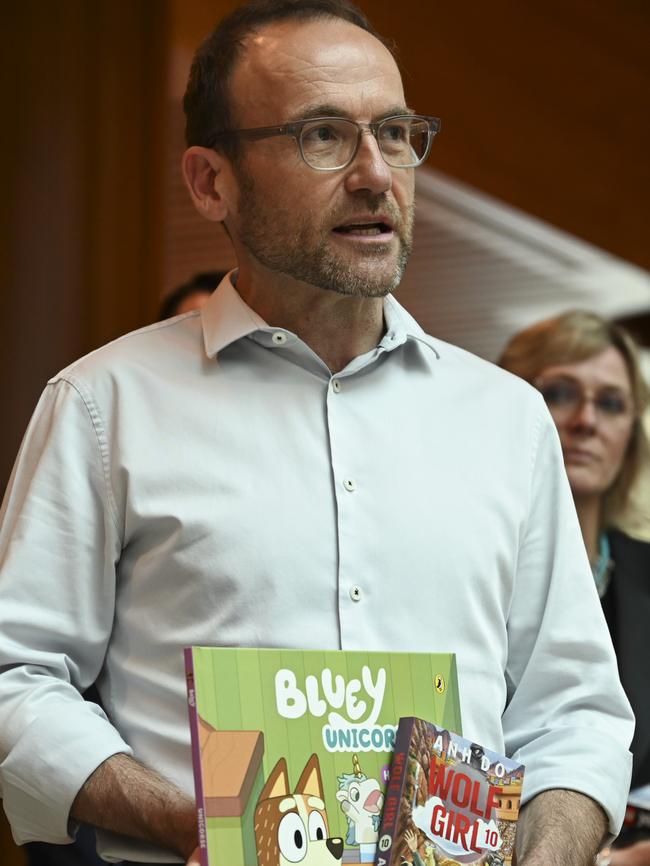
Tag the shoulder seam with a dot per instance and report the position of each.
(99, 429)
(146, 329)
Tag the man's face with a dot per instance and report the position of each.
(348, 230)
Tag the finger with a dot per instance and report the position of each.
(195, 858)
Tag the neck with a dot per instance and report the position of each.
(589, 510)
(336, 327)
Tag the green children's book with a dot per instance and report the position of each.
(292, 748)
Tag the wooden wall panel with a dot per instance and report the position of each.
(544, 105)
(86, 89)
(81, 217)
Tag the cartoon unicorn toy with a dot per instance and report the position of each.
(361, 801)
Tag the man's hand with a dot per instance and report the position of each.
(125, 797)
(635, 855)
(195, 857)
(560, 827)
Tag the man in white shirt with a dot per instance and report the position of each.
(296, 465)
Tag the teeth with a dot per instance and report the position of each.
(374, 229)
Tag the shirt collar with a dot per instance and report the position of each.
(401, 326)
(227, 318)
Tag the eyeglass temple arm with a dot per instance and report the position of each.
(259, 132)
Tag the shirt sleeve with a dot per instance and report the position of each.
(59, 543)
(567, 717)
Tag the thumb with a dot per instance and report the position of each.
(195, 857)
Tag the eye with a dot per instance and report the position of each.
(354, 793)
(317, 828)
(320, 134)
(561, 394)
(395, 132)
(611, 403)
(292, 838)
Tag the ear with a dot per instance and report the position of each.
(277, 784)
(205, 172)
(310, 782)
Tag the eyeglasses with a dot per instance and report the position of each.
(564, 397)
(331, 143)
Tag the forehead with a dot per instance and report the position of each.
(606, 369)
(291, 66)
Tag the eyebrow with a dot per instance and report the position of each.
(567, 377)
(326, 109)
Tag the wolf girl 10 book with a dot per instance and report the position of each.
(292, 748)
(448, 801)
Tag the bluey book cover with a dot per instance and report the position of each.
(449, 801)
(292, 748)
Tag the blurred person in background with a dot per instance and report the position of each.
(588, 372)
(191, 295)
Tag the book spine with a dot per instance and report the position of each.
(386, 853)
(196, 755)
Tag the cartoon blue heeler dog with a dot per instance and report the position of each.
(293, 827)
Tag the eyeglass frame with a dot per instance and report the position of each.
(295, 128)
(627, 411)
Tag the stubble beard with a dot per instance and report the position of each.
(305, 254)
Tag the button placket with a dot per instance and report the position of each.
(351, 599)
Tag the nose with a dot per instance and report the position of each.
(335, 847)
(584, 418)
(368, 170)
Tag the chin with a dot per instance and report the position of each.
(361, 282)
(584, 484)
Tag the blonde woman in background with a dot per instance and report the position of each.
(588, 372)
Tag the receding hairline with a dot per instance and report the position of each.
(207, 102)
(287, 26)
(258, 32)
(310, 19)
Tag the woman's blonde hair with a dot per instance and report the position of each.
(573, 337)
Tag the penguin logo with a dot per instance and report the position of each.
(439, 682)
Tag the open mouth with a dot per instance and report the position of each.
(369, 229)
(374, 802)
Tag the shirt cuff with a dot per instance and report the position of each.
(583, 760)
(46, 768)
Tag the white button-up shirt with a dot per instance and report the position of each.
(206, 480)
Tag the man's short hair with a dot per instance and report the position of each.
(208, 110)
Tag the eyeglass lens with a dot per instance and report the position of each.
(567, 397)
(402, 142)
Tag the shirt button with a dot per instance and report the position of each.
(350, 485)
(279, 338)
(355, 593)
(336, 385)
